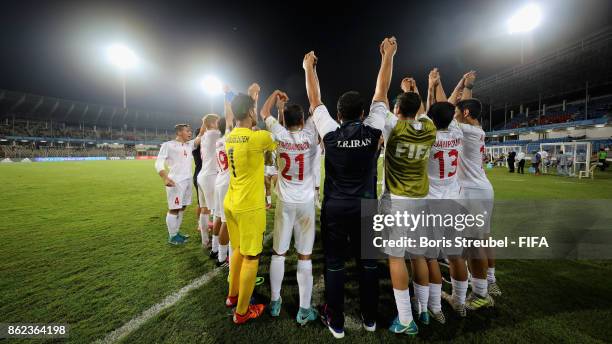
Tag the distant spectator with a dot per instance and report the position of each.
(511, 160)
(562, 164)
(602, 156)
(521, 162)
(535, 163)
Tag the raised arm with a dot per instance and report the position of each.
(266, 109)
(435, 91)
(409, 85)
(457, 92)
(227, 108)
(253, 92)
(470, 79)
(323, 121)
(312, 80)
(198, 139)
(388, 48)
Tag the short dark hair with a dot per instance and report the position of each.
(408, 103)
(441, 113)
(473, 105)
(222, 124)
(241, 105)
(181, 126)
(350, 105)
(293, 115)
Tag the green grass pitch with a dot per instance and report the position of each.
(84, 243)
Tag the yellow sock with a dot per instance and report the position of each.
(248, 273)
(234, 273)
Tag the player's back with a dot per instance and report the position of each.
(444, 157)
(222, 162)
(471, 172)
(296, 154)
(351, 154)
(207, 149)
(406, 156)
(245, 150)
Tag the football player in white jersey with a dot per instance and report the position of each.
(444, 185)
(222, 181)
(295, 210)
(476, 189)
(206, 180)
(176, 154)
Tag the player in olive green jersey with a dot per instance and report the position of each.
(408, 139)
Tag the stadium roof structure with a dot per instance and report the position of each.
(564, 71)
(35, 107)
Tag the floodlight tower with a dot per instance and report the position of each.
(212, 86)
(123, 58)
(523, 21)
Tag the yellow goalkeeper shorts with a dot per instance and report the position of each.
(246, 230)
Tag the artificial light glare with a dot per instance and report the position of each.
(525, 20)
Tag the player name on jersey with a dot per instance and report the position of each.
(294, 146)
(447, 143)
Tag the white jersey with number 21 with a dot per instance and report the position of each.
(296, 152)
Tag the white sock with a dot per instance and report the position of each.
(491, 275)
(422, 294)
(222, 253)
(269, 199)
(480, 286)
(180, 220)
(459, 290)
(203, 224)
(171, 223)
(435, 297)
(215, 243)
(304, 279)
(402, 301)
(277, 273)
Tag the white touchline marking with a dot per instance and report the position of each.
(169, 301)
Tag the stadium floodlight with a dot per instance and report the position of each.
(213, 87)
(123, 58)
(525, 20)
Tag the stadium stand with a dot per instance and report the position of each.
(569, 92)
(28, 118)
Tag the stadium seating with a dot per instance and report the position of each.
(20, 152)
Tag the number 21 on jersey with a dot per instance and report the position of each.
(291, 175)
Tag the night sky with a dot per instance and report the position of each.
(56, 48)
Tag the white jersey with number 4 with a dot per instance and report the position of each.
(177, 155)
(295, 155)
(471, 171)
(443, 163)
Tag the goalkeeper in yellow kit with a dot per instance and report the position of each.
(244, 204)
